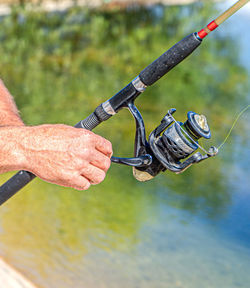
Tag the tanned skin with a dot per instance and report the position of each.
(58, 154)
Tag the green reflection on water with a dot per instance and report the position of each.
(60, 67)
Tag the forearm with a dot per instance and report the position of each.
(9, 115)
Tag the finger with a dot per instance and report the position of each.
(104, 146)
(93, 174)
(81, 183)
(99, 160)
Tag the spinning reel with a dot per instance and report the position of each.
(168, 144)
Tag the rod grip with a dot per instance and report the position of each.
(94, 119)
(14, 184)
(169, 59)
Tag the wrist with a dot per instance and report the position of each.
(12, 153)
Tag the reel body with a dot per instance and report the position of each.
(170, 146)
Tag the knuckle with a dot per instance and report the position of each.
(107, 164)
(78, 163)
(82, 163)
(88, 136)
(86, 152)
(109, 146)
(104, 141)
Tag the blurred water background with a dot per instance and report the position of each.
(188, 230)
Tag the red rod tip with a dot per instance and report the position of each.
(202, 34)
(211, 26)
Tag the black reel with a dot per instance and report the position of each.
(168, 144)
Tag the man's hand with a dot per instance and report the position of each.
(65, 155)
(59, 154)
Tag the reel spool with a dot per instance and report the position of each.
(168, 145)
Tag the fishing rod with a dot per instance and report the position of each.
(172, 141)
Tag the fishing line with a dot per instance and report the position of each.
(234, 123)
(212, 153)
(216, 149)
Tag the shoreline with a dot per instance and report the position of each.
(52, 6)
(12, 278)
